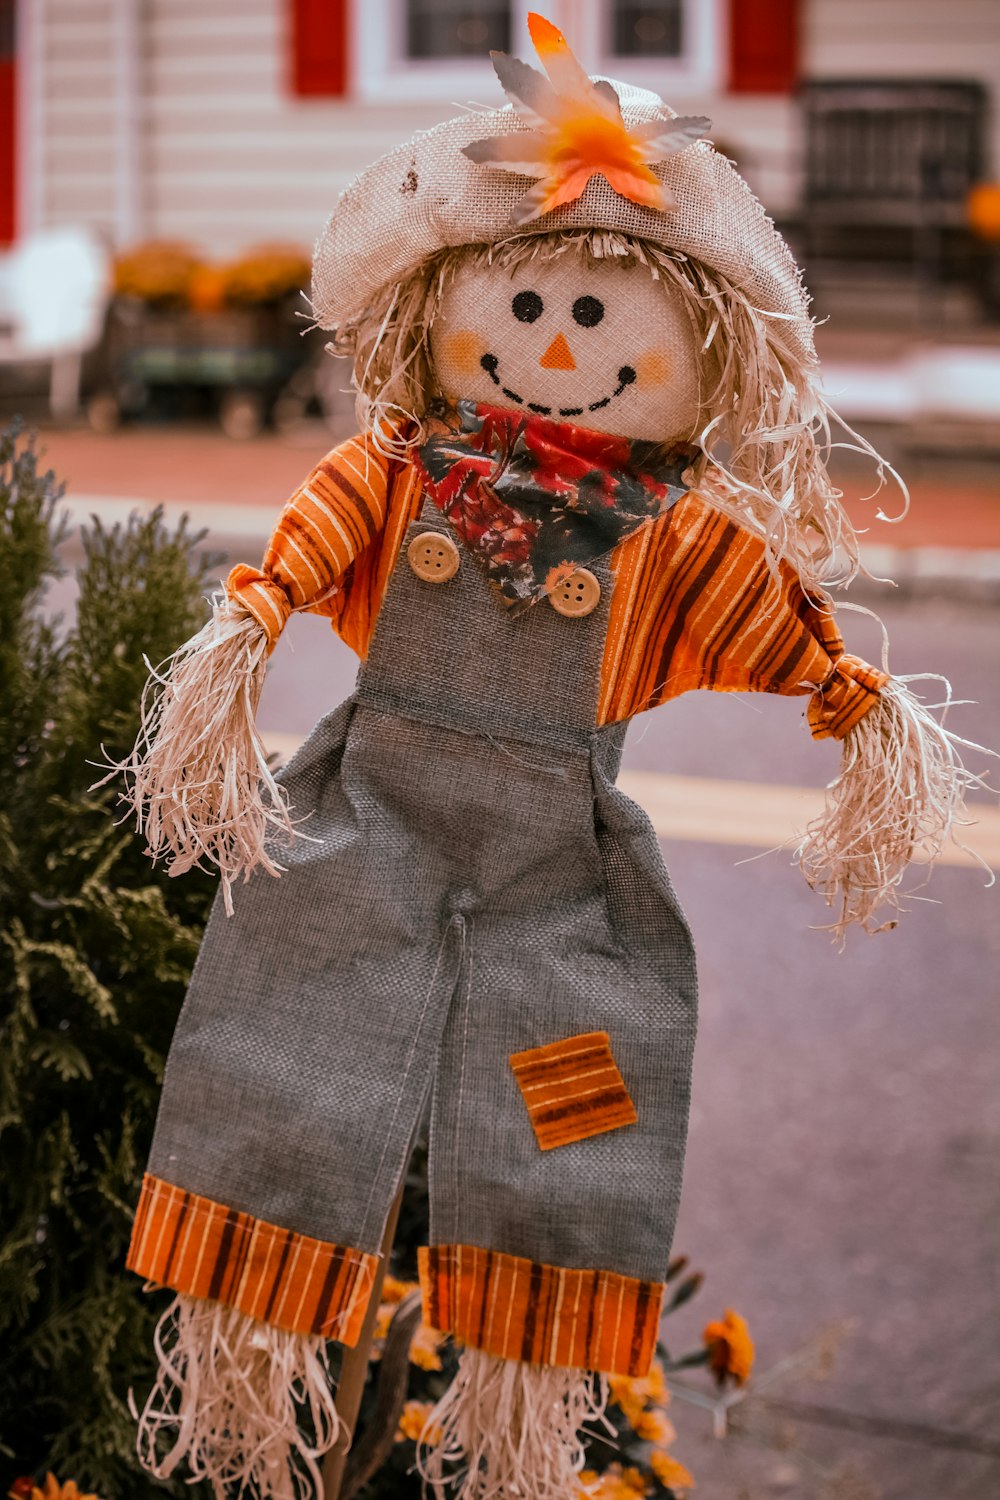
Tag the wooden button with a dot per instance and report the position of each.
(433, 557)
(576, 595)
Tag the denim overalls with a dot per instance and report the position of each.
(468, 884)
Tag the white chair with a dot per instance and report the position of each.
(54, 292)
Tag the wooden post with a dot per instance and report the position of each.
(354, 1369)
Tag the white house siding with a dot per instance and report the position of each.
(227, 155)
(907, 38)
(74, 158)
(232, 156)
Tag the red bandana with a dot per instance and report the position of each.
(535, 499)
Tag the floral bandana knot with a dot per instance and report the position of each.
(533, 499)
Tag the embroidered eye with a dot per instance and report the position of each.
(527, 306)
(588, 311)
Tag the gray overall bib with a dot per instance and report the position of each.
(468, 884)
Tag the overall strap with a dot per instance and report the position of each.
(449, 653)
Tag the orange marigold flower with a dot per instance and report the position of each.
(656, 1380)
(157, 271)
(266, 273)
(25, 1489)
(424, 1349)
(394, 1290)
(614, 1484)
(654, 1426)
(382, 1320)
(730, 1348)
(670, 1472)
(633, 1393)
(413, 1424)
(635, 1481)
(628, 1395)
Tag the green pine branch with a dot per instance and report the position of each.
(96, 947)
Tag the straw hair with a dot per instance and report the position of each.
(230, 1395)
(197, 779)
(899, 796)
(764, 426)
(505, 1429)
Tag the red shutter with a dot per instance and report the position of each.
(319, 47)
(8, 120)
(763, 46)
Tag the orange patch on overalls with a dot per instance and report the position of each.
(573, 1089)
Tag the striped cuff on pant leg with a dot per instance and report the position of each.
(200, 1247)
(538, 1314)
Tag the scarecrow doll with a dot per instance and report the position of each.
(590, 477)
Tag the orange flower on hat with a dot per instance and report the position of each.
(730, 1348)
(577, 132)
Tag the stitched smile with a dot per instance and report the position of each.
(626, 375)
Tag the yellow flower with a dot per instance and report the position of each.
(394, 1290)
(654, 1426)
(24, 1490)
(635, 1482)
(614, 1484)
(657, 1384)
(628, 1395)
(413, 1422)
(267, 273)
(730, 1348)
(669, 1472)
(633, 1393)
(424, 1349)
(158, 271)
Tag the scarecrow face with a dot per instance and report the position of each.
(598, 343)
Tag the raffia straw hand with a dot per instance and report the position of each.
(197, 778)
(899, 796)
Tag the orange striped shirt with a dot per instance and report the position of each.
(694, 605)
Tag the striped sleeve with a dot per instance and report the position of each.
(697, 606)
(329, 520)
(849, 687)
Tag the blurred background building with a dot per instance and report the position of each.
(866, 127)
(224, 121)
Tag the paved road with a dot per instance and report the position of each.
(846, 1125)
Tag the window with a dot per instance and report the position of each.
(652, 30)
(438, 50)
(407, 50)
(442, 28)
(672, 46)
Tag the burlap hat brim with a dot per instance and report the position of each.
(425, 196)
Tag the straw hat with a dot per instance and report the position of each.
(427, 195)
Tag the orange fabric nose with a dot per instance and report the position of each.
(557, 356)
